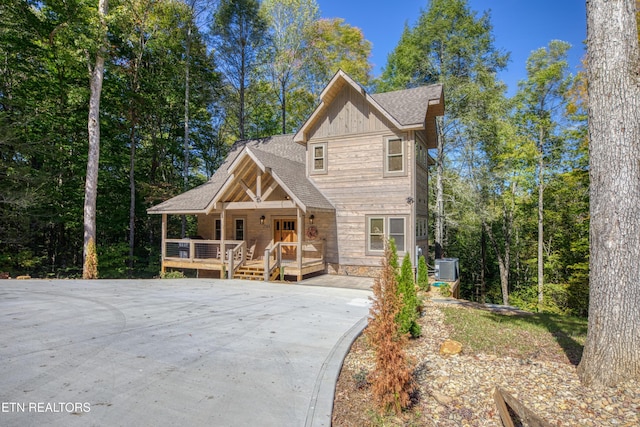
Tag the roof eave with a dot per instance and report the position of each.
(153, 211)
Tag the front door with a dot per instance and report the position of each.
(284, 230)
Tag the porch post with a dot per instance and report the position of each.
(301, 227)
(223, 256)
(266, 264)
(163, 248)
(259, 185)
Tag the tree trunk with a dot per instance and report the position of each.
(242, 78)
(503, 261)
(284, 106)
(439, 232)
(611, 353)
(540, 218)
(93, 127)
(132, 191)
(185, 172)
(483, 266)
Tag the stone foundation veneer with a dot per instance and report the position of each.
(353, 270)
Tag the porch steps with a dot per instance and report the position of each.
(253, 273)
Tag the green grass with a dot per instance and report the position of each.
(530, 336)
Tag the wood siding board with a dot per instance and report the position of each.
(356, 186)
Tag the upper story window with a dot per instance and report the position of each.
(395, 163)
(319, 158)
(422, 155)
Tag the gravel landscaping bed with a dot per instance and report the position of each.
(459, 390)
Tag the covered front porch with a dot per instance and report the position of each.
(253, 258)
(258, 217)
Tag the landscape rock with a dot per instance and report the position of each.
(450, 348)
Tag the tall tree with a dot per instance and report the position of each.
(195, 8)
(450, 44)
(611, 353)
(338, 46)
(91, 184)
(543, 98)
(289, 24)
(239, 29)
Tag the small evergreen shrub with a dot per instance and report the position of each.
(445, 290)
(423, 274)
(408, 315)
(173, 275)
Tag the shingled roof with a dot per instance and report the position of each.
(408, 106)
(406, 109)
(278, 153)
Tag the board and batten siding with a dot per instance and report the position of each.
(355, 182)
(422, 191)
(349, 113)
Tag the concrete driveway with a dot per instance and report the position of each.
(173, 352)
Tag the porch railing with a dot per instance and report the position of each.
(312, 252)
(236, 257)
(272, 260)
(197, 249)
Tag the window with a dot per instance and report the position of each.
(382, 228)
(421, 227)
(396, 232)
(239, 228)
(376, 234)
(218, 231)
(319, 158)
(394, 157)
(422, 155)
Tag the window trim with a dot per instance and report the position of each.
(385, 232)
(403, 155)
(313, 158)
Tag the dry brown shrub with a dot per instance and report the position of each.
(391, 382)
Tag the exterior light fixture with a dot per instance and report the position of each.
(262, 220)
(311, 218)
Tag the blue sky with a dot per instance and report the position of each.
(519, 27)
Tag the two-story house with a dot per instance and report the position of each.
(322, 200)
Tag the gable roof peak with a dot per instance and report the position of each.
(405, 109)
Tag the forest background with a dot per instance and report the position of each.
(184, 80)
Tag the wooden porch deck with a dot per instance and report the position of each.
(206, 255)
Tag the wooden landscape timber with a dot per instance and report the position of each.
(528, 418)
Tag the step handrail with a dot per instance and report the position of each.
(276, 250)
(237, 253)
